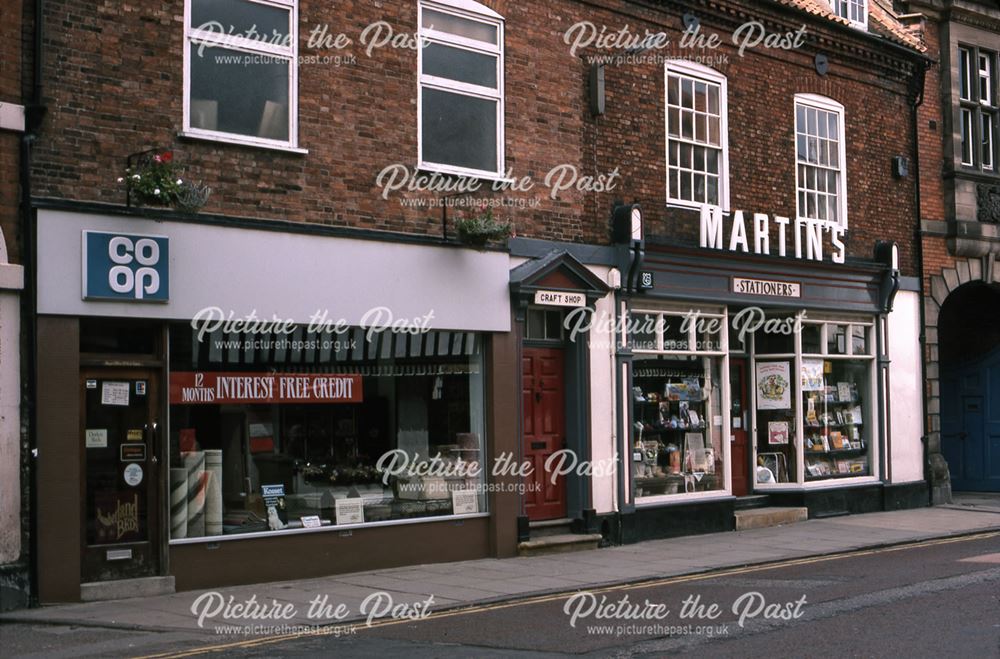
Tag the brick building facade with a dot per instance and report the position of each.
(572, 109)
(959, 242)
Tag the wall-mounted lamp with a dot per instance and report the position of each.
(887, 253)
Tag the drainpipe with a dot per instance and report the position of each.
(917, 95)
(34, 114)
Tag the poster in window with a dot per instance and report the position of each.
(812, 375)
(777, 432)
(774, 391)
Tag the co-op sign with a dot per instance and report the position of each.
(125, 267)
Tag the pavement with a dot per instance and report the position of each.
(487, 581)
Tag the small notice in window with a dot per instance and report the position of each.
(115, 393)
(311, 522)
(97, 437)
(350, 511)
(464, 502)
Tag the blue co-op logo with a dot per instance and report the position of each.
(119, 266)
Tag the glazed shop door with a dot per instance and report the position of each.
(121, 499)
(544, 430)
(739, 441)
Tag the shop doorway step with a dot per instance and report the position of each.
(759, 518)
(555, 536)
(752, 501)
(98, 591)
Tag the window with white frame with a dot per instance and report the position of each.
(680, 389)
(821, 171)
(460, 91)
(240, 75)
(697, 136)
(855, 11)
(978, 108)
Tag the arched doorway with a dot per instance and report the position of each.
(969, 342)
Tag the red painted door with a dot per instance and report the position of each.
(738, 418)
(544, 430)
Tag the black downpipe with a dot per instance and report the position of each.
(34, 114)
(919, 79)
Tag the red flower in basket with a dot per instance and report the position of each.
(167, 156)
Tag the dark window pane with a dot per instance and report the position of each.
(643, 329)
(774, 342)
(811, 339)
(459, 130)
(237, 17)
(460, 65)
(240, 93)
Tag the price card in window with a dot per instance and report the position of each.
(350, 511)
(464, 502)
(311, 522)
(115, 393)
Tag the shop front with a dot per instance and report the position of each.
(211, 415)
(750, 375)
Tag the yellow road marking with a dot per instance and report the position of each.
(540, 599)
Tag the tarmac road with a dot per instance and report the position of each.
(941, 599)
(933, 599)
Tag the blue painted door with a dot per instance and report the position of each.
(970, 424)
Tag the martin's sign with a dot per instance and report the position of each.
(812, 239)
(125, 267)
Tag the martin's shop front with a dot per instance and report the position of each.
(764, 361)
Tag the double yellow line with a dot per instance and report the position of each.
(539, 599)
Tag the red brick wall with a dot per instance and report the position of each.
(115, 87)
(930, 139)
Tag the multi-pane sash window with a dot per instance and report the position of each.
(697, 158)
(855, 11)
(461, 96)
(979, 107)
(240, 71)
(819, 157)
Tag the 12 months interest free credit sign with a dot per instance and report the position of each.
(199, 388)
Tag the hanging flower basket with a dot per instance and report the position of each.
(155, 181)
(479, 230)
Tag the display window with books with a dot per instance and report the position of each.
(270, 434)
(836, 408)
(813, 400)
(677, 402)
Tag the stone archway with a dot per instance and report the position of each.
(983, 270)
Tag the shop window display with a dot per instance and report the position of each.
(677, 401)
(836, 396)
(290, 432)
(826, 415)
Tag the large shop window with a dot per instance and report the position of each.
(820, 425)
(821, 168)
(461, 95)
(279, 432)
(677, 396)
(697, 136)
(979, 108)
(240, 76)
